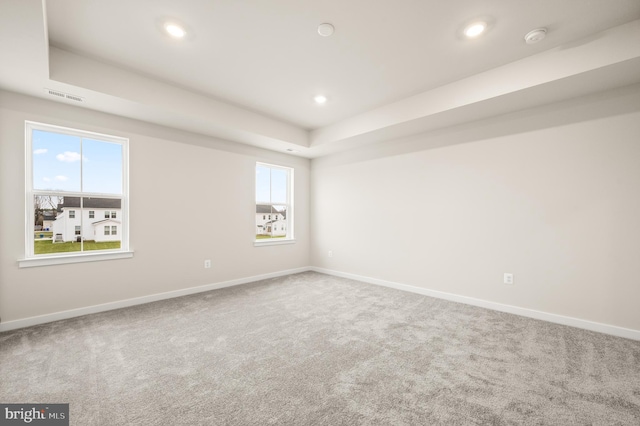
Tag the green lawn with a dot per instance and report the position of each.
(45, 247)
(267, 237)
(42, 234)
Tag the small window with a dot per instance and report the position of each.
(107, 214)
(107, 230)
(114, 230)
(92, 214)
(113, 215)
(78, 229)
(72, 214)
(274, 199)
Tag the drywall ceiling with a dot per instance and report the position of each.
(248, 70)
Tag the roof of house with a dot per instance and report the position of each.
(268, 209)
(96, 203)
(264, 209)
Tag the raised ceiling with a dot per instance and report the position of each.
(248, 70)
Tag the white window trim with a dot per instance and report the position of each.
(275, 242)
(73, 258)
(31, 259)
(290, 238)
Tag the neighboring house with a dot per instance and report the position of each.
(48, 218)
(270, 222)
(98, 220)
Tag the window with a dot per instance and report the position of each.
(69, 175)
(274, 198)
(107, 230)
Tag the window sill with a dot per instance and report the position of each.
(72, 258)
(261, 243)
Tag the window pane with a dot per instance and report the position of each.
(54, 231)
(279, 222)
(279, 185)
(270, 221)
(101, 167)
(45, 213)
(263, 184)
(56, 161)
(102, 232)
(262, 213)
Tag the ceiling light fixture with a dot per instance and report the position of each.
(535, 36)
(175, 30)
(320, 99)
(326, 29)
(475, 29)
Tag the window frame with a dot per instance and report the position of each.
(30, 258)
(290, 237)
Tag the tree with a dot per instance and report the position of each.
(42, 203)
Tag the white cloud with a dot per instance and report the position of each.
(61, 178)
(70, 157)
(46, 179)
(40, 151)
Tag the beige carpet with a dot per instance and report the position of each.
(312, 349)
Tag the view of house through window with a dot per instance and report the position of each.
(76, 181)
(274, 201)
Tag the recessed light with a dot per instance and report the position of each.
(320, 99)
(292, 150)
(175, 30)
(326, 29)
(475, 29)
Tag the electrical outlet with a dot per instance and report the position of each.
(207, 264)
(508, 279)
(330, 253)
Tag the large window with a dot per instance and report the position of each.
(274, 204)
(71, 174)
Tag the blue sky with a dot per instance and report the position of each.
(271, 185)
(57, 165)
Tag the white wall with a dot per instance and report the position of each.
(551, 195)
(175, 177)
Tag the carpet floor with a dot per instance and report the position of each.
(313, 349)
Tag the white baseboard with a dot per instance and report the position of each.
(530, 313)
(42, 319)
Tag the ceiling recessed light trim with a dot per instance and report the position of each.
(475, 29)
(175, 30)
(320, 99)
